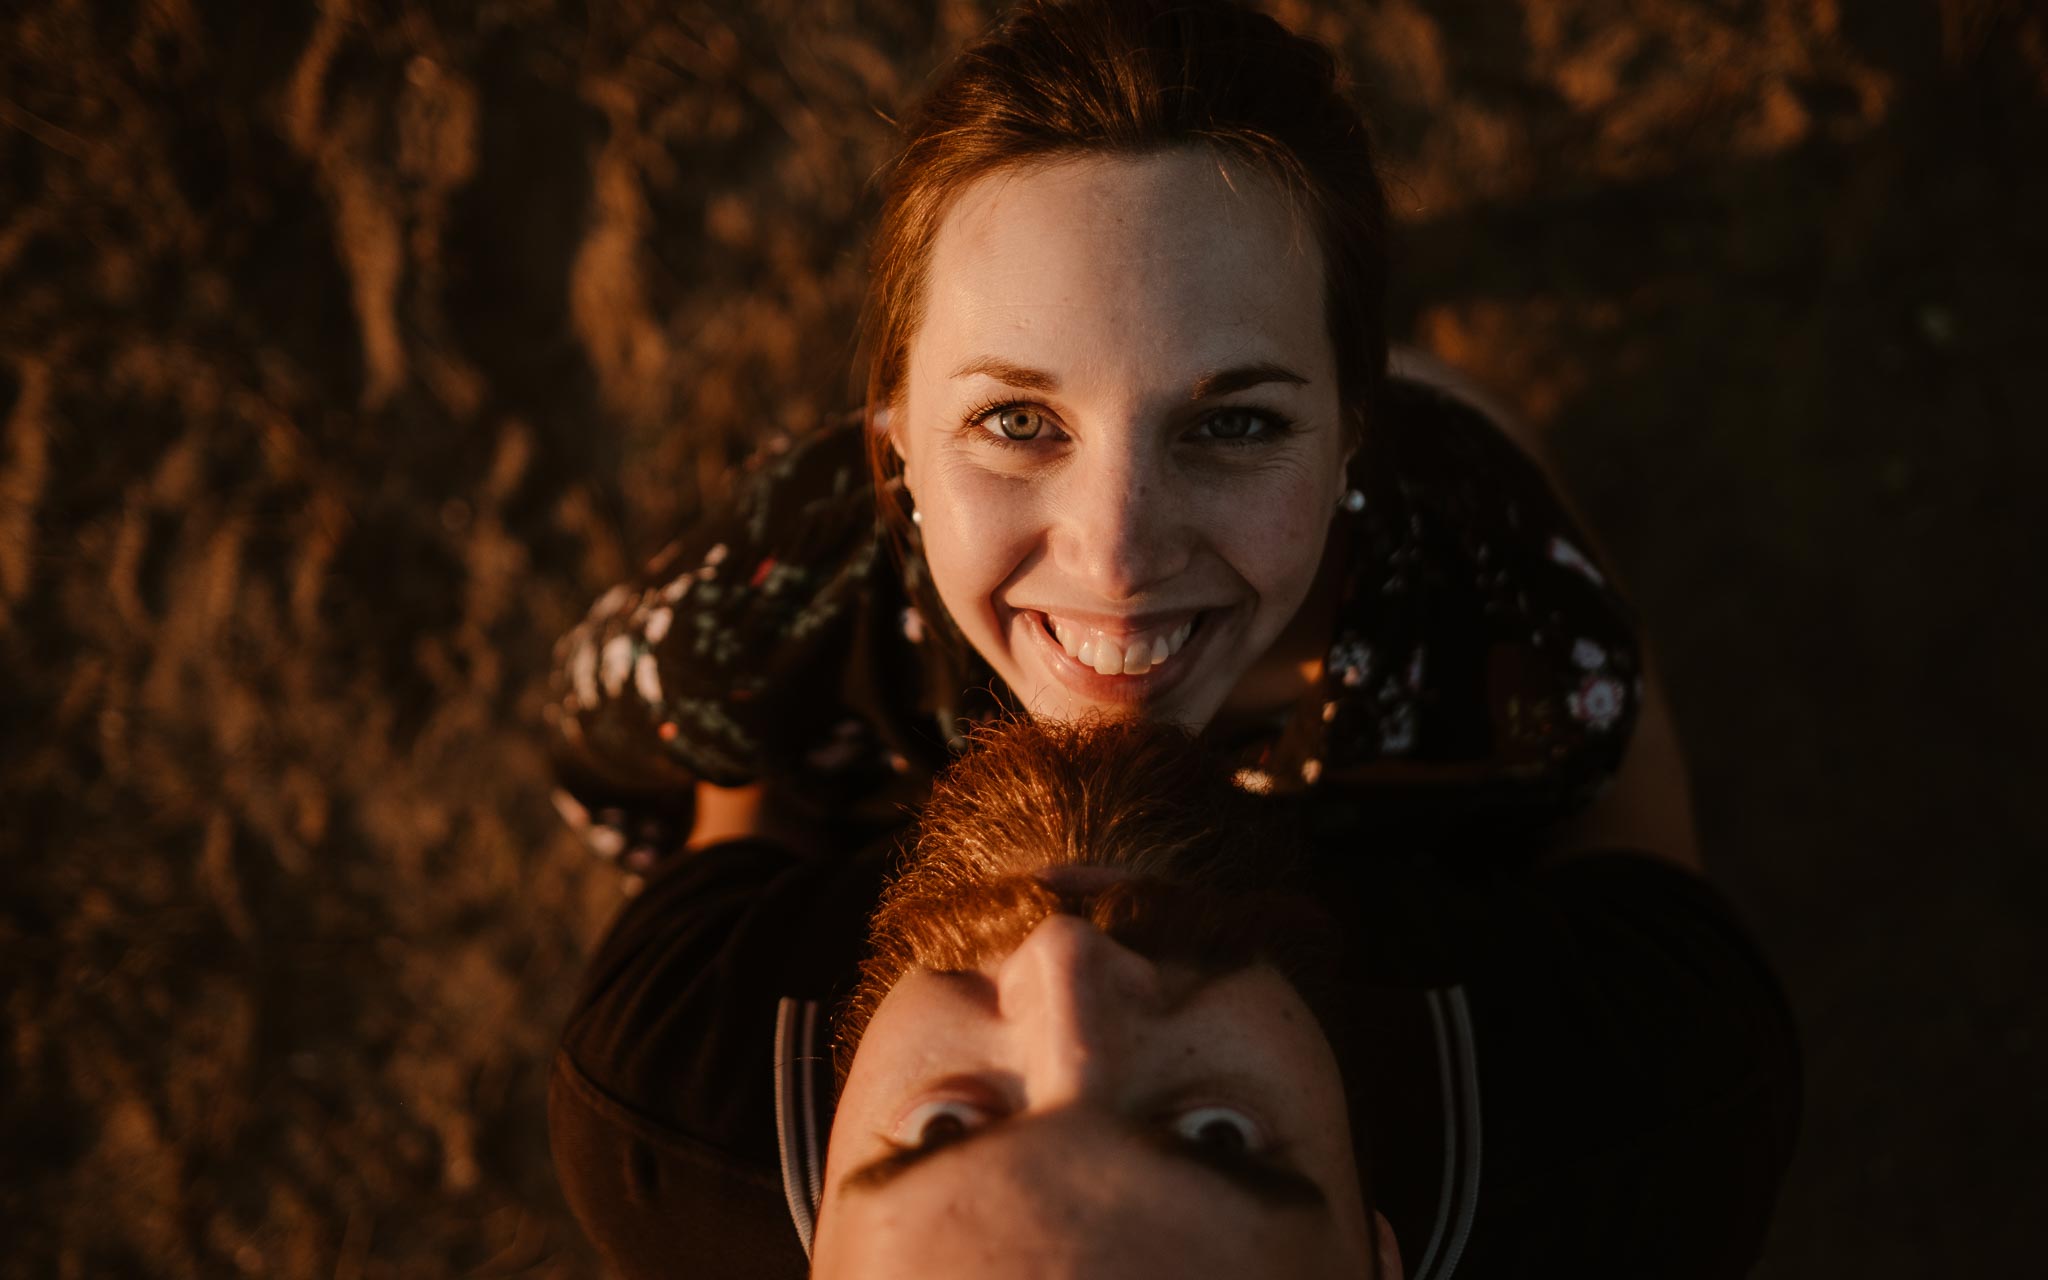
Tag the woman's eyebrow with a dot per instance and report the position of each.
(1016, 375)
(1217, 382)
(1240, 377)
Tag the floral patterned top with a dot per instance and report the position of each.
(1482, 670)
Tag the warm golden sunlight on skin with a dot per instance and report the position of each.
(1121, 429)
(1074, 1108)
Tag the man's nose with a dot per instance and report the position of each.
(1078, 1000)
(1122, 521)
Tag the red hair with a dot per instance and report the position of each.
(1131, 77)
(1210, 874)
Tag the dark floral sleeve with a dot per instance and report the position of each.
(725, 657)
(1484, 668)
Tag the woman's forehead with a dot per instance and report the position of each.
(1182, 257)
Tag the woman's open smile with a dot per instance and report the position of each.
(1132, 661)
(1121, 427)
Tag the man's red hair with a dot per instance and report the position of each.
(1207, 873)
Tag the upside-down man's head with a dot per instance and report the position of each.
(1087, 1042)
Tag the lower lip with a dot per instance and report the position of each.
(1093, 686)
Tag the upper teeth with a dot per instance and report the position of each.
(1116, 655)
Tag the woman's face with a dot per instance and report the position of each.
(1121, 427)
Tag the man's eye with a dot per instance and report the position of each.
(1017, 422)
(1223, 1131)
(935, 1124)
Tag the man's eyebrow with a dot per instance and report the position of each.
(1217, 382)
(1271, 1184)
(897, 1161)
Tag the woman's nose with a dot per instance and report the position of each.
(1078, 1000)
(1122, 528)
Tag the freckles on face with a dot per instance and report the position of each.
(1121, 428)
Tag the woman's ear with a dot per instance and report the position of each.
(1353, 426)
(888, 421)
(891, 422)
(1345, 496)
(1389, 1250)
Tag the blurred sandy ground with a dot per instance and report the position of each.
(346, 353)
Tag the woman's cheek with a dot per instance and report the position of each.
(977, 528)
(1272, 533)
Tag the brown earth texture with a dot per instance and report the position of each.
(348, 350)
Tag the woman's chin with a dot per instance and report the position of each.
(1053, 704)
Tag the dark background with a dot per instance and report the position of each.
(347, 352)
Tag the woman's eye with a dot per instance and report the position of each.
(1012, 423)
(1018, 422)
(1221, 1130)
(935, 1124)
(1235, 424)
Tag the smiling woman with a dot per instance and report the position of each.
(1122, 429)
(1134, 450)
(1134, 465)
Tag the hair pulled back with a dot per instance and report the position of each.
(1212, 871)
(1064, 77)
